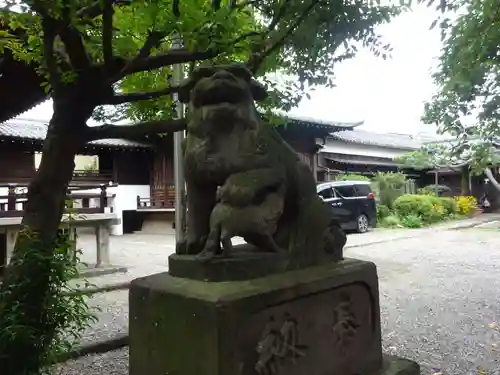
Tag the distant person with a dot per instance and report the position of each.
(484, 203)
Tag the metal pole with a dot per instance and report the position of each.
(180, 184)
(470, 180)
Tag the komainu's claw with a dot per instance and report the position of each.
(210, 251)
(205, 255)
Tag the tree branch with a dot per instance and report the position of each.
(135, 97)
(279, 14)
(257, 58)
(73, 44)
(180, 56)
(96, 8)
(176, 8)
(135, 132)
(491, 177)
(107, 33)
(152, 41)
(49, 35)
(172, 57)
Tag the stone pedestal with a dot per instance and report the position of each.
(317, 321)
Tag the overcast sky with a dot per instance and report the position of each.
(388, 95)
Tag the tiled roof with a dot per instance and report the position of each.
(355, 159)
(20, 87)
(36, 130)
(314, 122)
(391, 140)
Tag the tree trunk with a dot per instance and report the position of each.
(492, 179)
(464, 181)
(27, 280)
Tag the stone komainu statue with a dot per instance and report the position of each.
(229, 146)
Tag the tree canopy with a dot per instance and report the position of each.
(95, 53)
(466, 104)
(310, 38)
(130, 43)
(434, 155)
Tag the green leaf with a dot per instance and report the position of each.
(468, 97)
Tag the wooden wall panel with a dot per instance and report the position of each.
(162, 176)
(132, 167)
(16, 165)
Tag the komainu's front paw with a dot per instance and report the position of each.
(205, 255)
(211, 249)
(194, 245)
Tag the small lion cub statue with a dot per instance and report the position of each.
(256, 222)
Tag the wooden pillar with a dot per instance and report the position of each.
(102, 244)
(11, 199)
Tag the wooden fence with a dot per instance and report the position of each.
(13, 204)
(164, 200)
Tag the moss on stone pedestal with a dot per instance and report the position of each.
(186, 327)
(245, 263)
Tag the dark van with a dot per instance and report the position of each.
(353, 203)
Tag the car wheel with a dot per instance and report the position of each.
(362, 224)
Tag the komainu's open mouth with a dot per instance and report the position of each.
(221, 91)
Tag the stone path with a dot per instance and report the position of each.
(145, 254)
(439, 297)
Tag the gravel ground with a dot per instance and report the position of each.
(112, 314)
(110, 363)
(439, 299)
(439, 302)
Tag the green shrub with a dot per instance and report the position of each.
(449, 204)
(412, 221)
(433, 199)
(352, 177)
(389, 187)
(436, 214)
(431, 190)
(410, 204)
(391, 221)
(382, 212)
(466, 205)
(63, 313)
(430, 209)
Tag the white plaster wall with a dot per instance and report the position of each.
(81, 161)
(5, 191)
(125, 199)
(340, 147)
